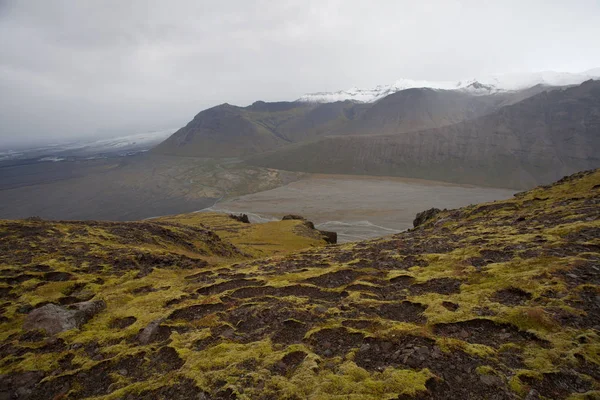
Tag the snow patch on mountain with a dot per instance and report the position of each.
(483, 86)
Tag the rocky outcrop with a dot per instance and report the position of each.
(299, 218)
(240, 218)
(425, 216)
(329, 236)
(55, 319)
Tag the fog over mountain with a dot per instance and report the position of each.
(72, 69)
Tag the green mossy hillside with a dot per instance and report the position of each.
(491, 301)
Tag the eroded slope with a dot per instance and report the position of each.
(493, 301)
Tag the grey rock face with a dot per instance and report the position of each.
(154, 332)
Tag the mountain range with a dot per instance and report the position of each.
(513, 135)
(485, 85)
(533, 141)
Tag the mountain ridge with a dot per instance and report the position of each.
(534, 141)
(226, 131)
(499, 83)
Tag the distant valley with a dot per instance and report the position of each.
(511, 139)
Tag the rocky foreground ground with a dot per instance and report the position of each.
(492, 301)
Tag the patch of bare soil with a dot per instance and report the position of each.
(434, 245)
(282, 321)
(406, 351)
(331, 342)
(585, 272)
(511, 357)
(455, 371)
(228, 285)
(405, 311)
(335, 279)
(394, 289)
(293, 290)
(299, 262)
(365, 324)
(438, 285)
(558, 385)
(486, 331)
(588, 300)
(16, 279)
(587, 367)
(491, 257)
(196, 312)
(57, 276)
(99, 380)
(183, 390)
(343, 256)
(511, 296)
(291, 331)
(289, 363)
(205, 277)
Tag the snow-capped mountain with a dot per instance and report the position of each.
(487, 85)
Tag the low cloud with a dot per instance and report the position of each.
(78, 68)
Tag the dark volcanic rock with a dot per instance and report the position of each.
(330, 237)
(425, 216)
(241, 218)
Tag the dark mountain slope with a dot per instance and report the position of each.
(221, 131)
(418, 109)
(492, 301)
(230, 131)
(531, 142)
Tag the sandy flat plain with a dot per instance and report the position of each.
(358, 207)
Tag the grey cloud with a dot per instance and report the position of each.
(73, 68)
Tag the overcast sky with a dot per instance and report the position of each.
(76, 68)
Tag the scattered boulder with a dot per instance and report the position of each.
(88, 309)
(425, 216)
(240, 218)
(154, 332)
(55, 319)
